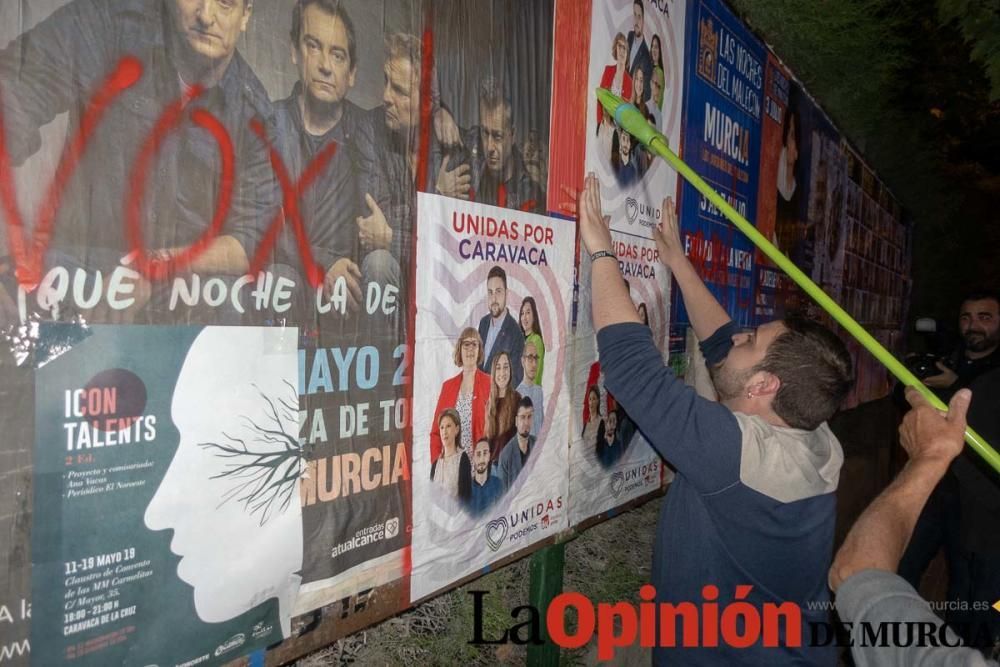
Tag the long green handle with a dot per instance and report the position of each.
(632, 121)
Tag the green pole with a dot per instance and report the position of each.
(546, 583)
(633, 122)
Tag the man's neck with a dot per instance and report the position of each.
(522, 443)
(482, 477)
(318, 118)
(498, 320)
(754, 408)
(980, 355)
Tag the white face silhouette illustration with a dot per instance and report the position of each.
(237, 529)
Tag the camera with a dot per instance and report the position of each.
(924, 365)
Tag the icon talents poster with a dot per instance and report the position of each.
(167, 522)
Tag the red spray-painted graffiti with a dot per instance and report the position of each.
(29, 256)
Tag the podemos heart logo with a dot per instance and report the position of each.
(391, 528)
(631, 210)
(496, 531)
(617, 482)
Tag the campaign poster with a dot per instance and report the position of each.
(167, 526)
(777, 183)
(827, 224)
(637, 52)
(491, 400)
(809, 223)
(610, 462)
(724, 106)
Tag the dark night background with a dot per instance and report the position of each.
(915, 85)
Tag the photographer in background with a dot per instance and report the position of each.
(979, 325)
(942, 522)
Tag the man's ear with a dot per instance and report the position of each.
(247, 11)
(764, 383)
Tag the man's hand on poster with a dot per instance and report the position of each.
(445, 128)
(668, 236)
(594, 230)
(351, 274)
(942, 380)
(454, 183)
(373, 231)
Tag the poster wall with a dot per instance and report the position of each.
(305, 267)
(802, 193)
(166, 494)
(724, 103)
(491, 407)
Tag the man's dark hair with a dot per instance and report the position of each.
(333, 8)
(638, 3)
(497, 272)
(491, 97)
(815, 370)
(982, 295)
(525, 402)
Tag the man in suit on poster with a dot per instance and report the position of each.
(638, 50)
(498, 329)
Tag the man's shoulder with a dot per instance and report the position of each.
(507, 455)
(248, 89)
(358, 120)
(149, 10)
(137, 25)
(509, 322)
(286, 113)
(989, 380)
(528, 388)
(788, 464)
